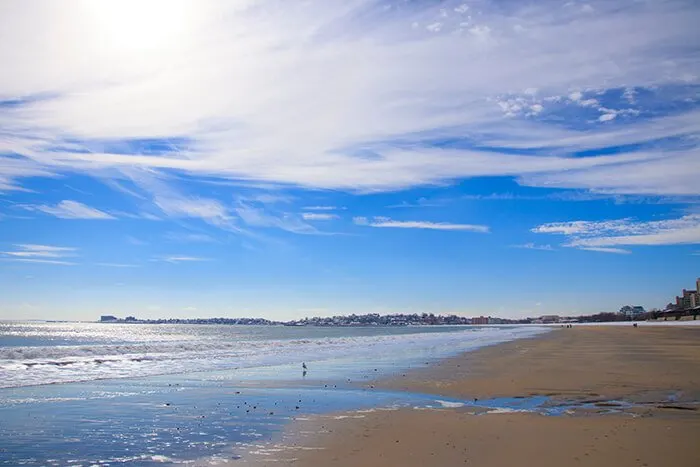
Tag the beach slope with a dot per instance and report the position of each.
(656, 368)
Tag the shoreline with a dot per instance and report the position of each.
(584, 361)
(654, 369)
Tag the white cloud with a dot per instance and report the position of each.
(607, 117)
(267, 198)
(192, 207)
(259, 217)
(182, 259)
(385, 222)
(318, 216)
(481, 32)
(13, 167)
(536, 108)
(533, 246)
(68, 209)
(41, 261)
(611, 233)
(42, 251)
(34, 253)
(187, 237)
(354, 78)
(434, 27)
(420, 203)
(601, 249)
(321, 208)
(588, 103)
(171, 202)
(673, 174)
(583, 227)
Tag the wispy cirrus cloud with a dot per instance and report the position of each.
(153, 190)
(181, 259)
(267, 198)
(196, 207)
(189, 237)
(256, 216)
(429, 73)
(420, 203)
(41, 261)
(584, 227)
(13, 168)
(386, 222)
(322, 208)
(608, 234)
(35, 253)
(43, 251)
(318, 216)
(68, 209)
(533, 246)
(602, 249)
(584, 196)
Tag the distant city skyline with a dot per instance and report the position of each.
(291, 159)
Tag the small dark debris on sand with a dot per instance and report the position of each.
(676, 407)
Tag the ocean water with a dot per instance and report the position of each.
(136, 394)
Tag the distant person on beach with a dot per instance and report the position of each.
(303, 366)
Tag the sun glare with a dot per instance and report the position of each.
(134, 25)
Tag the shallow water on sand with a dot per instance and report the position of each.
(153, 422)
(149, 421)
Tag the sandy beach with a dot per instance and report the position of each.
(584, 361)
(657, 369)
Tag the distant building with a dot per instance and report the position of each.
(689, 299)
(480, 320)
(107, 318)
(546, 319)
(632, 311)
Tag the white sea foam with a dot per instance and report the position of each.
(502, 410)
(450, 405)
(33, 365)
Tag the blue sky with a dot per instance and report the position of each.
(290, 159)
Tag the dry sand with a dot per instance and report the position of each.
(643, 364)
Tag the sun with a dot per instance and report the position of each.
(126, 26)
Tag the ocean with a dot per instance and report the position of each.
(137, 394)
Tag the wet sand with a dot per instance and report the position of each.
(585, 361)
(656, 367)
